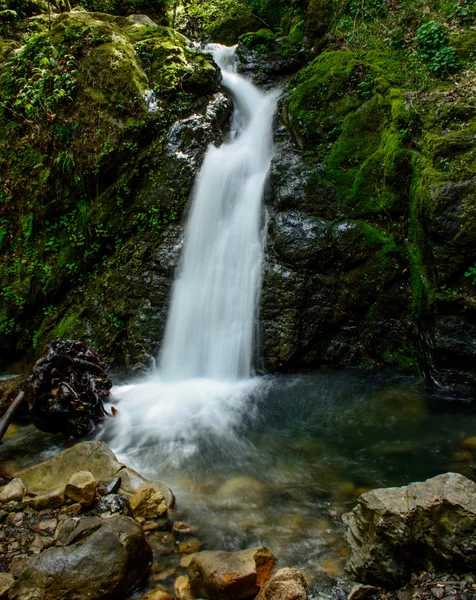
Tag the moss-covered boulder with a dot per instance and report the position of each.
(227, 31)
(110, 123)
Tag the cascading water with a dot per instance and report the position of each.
(211, 321)
(204, 378)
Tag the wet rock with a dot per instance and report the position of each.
(48, 526)
(92, 558)
(157, 595)
(113, 503)
(81, 488)
(14, 490)
(6, 582)
(109, 487)
(73, 509)
(162, 543)
(18, 564)
(52, 499)
(227, 31)
(15, 519)
(360, 591)
(241, 490)
(437, 516)
(39, 543)
(189, 546)
(301, 240)
(148, 503)
(186, 560)
(95, 457)
(67, 389)
(181, 528)
(221, 575)
(286, 584)
(182, 588)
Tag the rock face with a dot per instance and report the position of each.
(94, 457)
(93, 558)
(395, 531)
(286, 584)
(222, 575)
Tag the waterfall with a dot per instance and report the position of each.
(203, 384)
(210, 326)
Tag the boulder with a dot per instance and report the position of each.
(93, 558)
(426, 525)
(286, 584)
(14, 490)
(223, 575)
(81, 488)
(93, 456)
(149, 503)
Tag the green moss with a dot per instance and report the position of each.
(465, 44)
(261, 39)
(227, 31)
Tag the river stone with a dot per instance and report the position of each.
(92, 456)
(286, 584)
(6, 582)
(241, 490)
(437, 516)
(93, 558)
(224, 575)
(14, 490)
(148, 503)
(157, 595)
(52, 499)
(81, 488)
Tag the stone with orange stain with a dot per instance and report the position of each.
(224, 575)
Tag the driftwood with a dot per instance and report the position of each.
(67, 389)
(9, 414)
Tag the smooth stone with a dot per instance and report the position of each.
(241, 490)
(181, 528)
(182, 588)
(18, 564)
(72, 509)
(221, 575)
(14, 490)
(92, 558)
(48, 526)
(81, 488)
(39, 543)
(91, 456)
(186, 560)
(360, 591)
(52, 499)
(16, 519)
(148, 503)
(286, 584)
(191, 546)
(162, 543)
(109, 487)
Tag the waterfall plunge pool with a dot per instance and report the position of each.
(279, 459)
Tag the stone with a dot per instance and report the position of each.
(469, 443)
(6, 582)
(360, 591)
(14, 490)
(286, 584)
(162, 543)
(190, 546)
(109, 487)
(148, 503)
(182, 588)
(438, 516)
(181, 528)
(52, 499)
(92, 558)
(221, 575)
(81, 488)
(72, 509)
(241, 490)
(186, 560)
(16, 519)
(48, 526)
(114, 503)
(91, 456)
(157, 594)
(18, 563)
(39, 543)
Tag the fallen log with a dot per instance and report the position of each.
(9, 414)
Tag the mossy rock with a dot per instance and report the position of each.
(262, 39)
(465, 44)
(318, 17)
(228, 31)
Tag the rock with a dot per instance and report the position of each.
(81, 488)
(437, 516)
(148, 503)
(52, 499)
(162, 543)
(190, 546)
(221, 575)
(14, 490)
(241, 490)
(18, 563)
(93, 456)
(469, 443)
(16, 519)
(114, 503)
(227, 31)
(181, 528)
(48, 526)
(92, 558)
(72, 509)
(360, 591)
(6, 582)
(286, 584)
(157, 594)
(182, 588)
(186, 560)
(109, 487)
(39, 543)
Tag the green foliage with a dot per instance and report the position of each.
(432, 41)
(471, 273)
(465, 12)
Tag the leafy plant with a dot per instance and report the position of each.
(471, 273)
(432, 40)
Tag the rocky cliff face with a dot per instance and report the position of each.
(370, 254)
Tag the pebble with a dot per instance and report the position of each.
(48, 526)
(72, 509)
(191, 546)
(186, 560)
(157, 594)
(15, 490)
(151, 526)
(181, 528)
(13, 546)
(163, 575)
(16, 519)
(360, 591)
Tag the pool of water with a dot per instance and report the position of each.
(302, 450)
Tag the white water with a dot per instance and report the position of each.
(204, 380)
